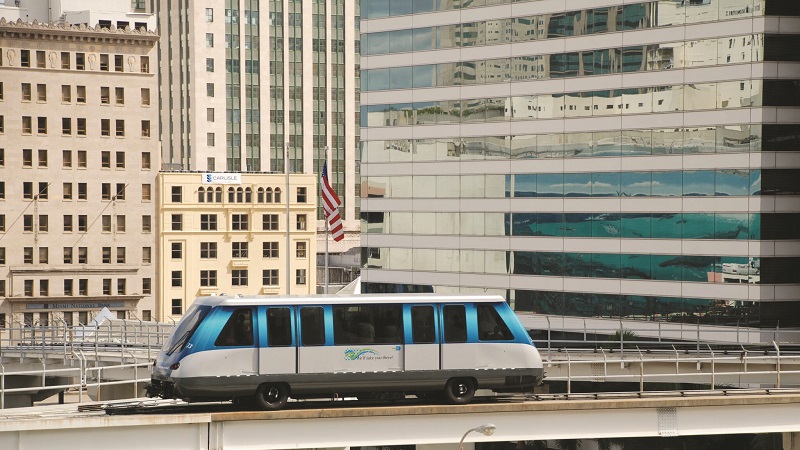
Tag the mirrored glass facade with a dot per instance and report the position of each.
(651, 147)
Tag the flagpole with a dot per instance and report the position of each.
(288, 227)
(325, 158)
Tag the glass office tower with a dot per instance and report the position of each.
(635, 161)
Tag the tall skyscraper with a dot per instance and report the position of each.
(635, 160)
(244, 83)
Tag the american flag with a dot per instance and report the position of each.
(330, 203)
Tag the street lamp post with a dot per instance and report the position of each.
(486, 430)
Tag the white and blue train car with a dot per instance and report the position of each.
(371, 346)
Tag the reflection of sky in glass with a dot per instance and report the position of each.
(732, 182)
(698, 182)
(668, 184)
(550, 185)
(424, 76)
(636, 183)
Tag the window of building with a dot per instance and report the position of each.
(208, 222)
(145, 128)
(239, 277)
(41, 125)
(66, 159)
(239, 249)
(2, 256)
(83, 289)
(81, 126)
(105, 95)
(106, 255)
(177, 222)
(177, 194)
(177, 306)
(209, 64)
(208, 250)
(105, 127)
(210, 114)
(269, 277)
(104, 66)
(300, 277)
(177, 278)
(301, 222)
(68, 288)
(120, 127)
(27, 222)
(82, 191)
(25, 58)
(2, 223)
(209, 15)
(208, 278)
(209, 40)
(26, 92)
(42, 153)
(44, 288)
(41, 92)
(67, 191)
(27, 255)
(27, 287)
(147, 224)
(118, 65)
(121, 225)
(120, 195)
(106, 286)
(147, 255)
(119, 95)
(66, 126)
(83, 255)
(240, 222)
(120, 255)
(145, 160)
(80, 96)
(27, 125)
(41, 61)
(105, 159)
(269, 222)
(145, 64)
(66, 93)
(68, 223)
(301, 249)
(209, 89)
(2, 157)
(27, 157)
(65, 61)
(67, 255)
(81, 159)
(210, 139)
(105, 191)
(44, 223)
(121, 286)
(80, 61)
(145, 97)
(302, 195)
(177, 250)
(146, 193)
(82, 222)
(269, 249)
(147, 286)
(120, 160)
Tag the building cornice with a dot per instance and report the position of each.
(74, 33)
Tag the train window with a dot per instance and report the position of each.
(423, 328)
(279, 327)
(455, 323)
(312, 326)
(491, 326)
(238, 331)
(367, 324)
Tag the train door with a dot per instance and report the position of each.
(312, 354)
(456, 353)
(422, 349)
(277, 353)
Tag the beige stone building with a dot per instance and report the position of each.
(227, 233)
(78, 163)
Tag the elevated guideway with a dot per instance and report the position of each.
(427, 426)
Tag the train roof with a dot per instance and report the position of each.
(258, 300)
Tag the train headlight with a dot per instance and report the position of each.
(175, 366)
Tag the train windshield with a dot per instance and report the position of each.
(186, 328)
